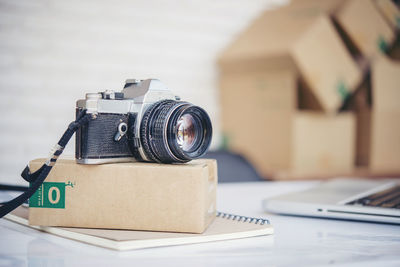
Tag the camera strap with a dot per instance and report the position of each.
(37, 178)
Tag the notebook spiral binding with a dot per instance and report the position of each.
(240, 218)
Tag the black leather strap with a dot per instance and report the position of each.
(31, 177)
(11, 187)
(37, 178)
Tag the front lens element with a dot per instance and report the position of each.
(193, 132)
(186, 132)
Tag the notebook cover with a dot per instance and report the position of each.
(224, 227)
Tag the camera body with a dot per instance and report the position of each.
(139, 123)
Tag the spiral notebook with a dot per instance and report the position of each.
(225, 226)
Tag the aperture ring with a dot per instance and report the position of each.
(145, 130)
(158, 132)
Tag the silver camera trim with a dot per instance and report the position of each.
(106, 160)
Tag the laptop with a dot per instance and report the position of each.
(349, 199)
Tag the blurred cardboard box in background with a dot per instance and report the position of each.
(267, 43)
(309, 55)
(323, 143)
(366, 26)
(390, 11)
(326, 65)
(257, 109)
(385, 138)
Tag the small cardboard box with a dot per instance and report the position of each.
(390, 11)
(134, 196)
(257, 116)
(385, 133)
(385, 145)
(366, 27)
(323, 143)
(386, 85)
(266, 44)
(326, 65)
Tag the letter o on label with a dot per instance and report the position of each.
(50, 195)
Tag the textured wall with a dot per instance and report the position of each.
(53, 52)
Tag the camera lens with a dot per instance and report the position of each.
(174, 131)
(186, 132)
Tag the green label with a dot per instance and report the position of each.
(225, 142)
(382, 45)
(49, 195)
(342, 90)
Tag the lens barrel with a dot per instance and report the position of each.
(175, 131)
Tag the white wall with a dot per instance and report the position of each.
(53, 52)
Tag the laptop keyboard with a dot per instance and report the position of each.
(389, 198)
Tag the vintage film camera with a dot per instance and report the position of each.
(144, 122)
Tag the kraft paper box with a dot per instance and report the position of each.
(135, 196)
(385, 119)
(366, 26)
(326, 65)
(257, 111)
(390, 11)
(267, 42)
(323, 143)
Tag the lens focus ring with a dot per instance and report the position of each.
(159, 142)
(145, 127)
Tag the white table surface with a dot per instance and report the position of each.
(297, 241)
